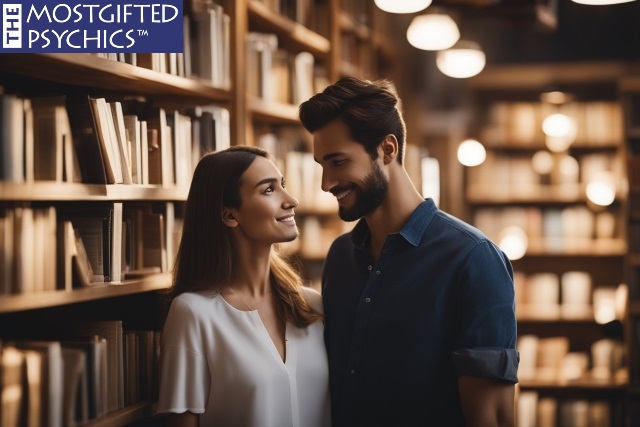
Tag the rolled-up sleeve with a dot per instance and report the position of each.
(486, 342)
(184, 373)
(497, 364)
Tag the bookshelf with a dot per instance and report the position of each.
(174, 106)
(572, 253)
(630, 92)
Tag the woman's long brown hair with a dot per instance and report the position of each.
(205, 257)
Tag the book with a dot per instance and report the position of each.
(12, 395)
(75, 406)
(47, 376)
(86, 142)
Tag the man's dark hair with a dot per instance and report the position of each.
(369, 109)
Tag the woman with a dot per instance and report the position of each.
(242, 344)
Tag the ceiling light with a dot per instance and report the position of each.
(403, 6)
(435, 30)
(464, 59)
(601, 2)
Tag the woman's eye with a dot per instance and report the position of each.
(269, 190)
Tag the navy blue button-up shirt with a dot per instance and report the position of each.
(437, 304)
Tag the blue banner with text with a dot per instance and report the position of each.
(73, 26)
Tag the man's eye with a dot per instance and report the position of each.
(338, 162)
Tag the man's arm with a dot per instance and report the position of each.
(486, 402)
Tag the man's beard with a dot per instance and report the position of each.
(368, 197)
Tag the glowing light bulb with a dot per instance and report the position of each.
(433, 31)
(404, 6)
(471, 153)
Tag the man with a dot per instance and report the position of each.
(419, 306)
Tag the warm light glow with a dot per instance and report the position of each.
(601, 2)
(542, 162)
(557, 125)
(402, 6)
(471, 153)
(560, 131)
(463, 60)
(569, 166)
(433, 31)
(601, 189)
(513, 242)
(604, 305)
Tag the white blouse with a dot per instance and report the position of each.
(220, 362)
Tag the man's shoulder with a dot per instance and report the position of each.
(452, 224)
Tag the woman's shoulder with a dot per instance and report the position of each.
(193, 300)
(313, 297)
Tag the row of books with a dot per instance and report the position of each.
(564, 176)
(520, 123)
(206, 50)
(570, 295)
(78, 138)
(550, 360)
(533, 410)
(48, 249)
(278, 75)
(558, 227)
(89, 369)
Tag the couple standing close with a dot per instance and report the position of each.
(416, 311)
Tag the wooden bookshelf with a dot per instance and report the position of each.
(31, 301)
(137, 299)
(504, 95)
(81, 69)
(54, 191)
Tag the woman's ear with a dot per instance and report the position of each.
(228, 218)
(389, 148)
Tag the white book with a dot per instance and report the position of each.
(132, 129)
(122, 142)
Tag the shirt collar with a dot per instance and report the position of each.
(412, 230)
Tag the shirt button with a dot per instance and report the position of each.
(377, 271)
(352, 371)
(367, 300)
(370, 267)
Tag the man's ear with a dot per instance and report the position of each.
(389, 149)
(228, 218)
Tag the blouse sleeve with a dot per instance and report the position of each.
(485, 345)
(184, 374)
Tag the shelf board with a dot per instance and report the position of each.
(629, 84)
(584, 248)
(123, 416)
(60, 191)
(273, 111)
(586, 384)
(553, 315)
(80, 69)
(578, 146)
(552, 195)
(540, 75)
(289, 32)
(30, 301)
(349, 25)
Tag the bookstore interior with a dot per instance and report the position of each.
(523, 119)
